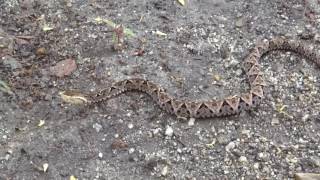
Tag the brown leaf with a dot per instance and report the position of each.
(64, 68)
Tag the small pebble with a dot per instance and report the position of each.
(240, 22)
(243, 159)
(305, 117)
(169, 131)
(274, 121)
(100, 155)
(41, 51)
(191, 121)
(230, 146)
(97, 127)
(156, 131)
(131, 150)
(130, 125)
(7, 157)
(164, 171)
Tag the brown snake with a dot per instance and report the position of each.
(212, 108)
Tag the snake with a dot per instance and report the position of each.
(227, 106)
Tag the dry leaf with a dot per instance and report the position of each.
(306, 176)
(46, 28)
(159, 33)
(73, 178)
(98, 20)
(181, 2)
(45, 167)
(211, 145)
(73, 97)
(5, 88)
(41, 123)
(126, 31)
(216, 77)
(281, 109)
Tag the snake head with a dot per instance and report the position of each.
(74, 97)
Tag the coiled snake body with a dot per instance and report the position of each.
(213, 108)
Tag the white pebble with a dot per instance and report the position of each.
(100, 155)
(131, 150)
(191, 121)
(130, 125)
(169, 131)
(243, 159)
(97, 127)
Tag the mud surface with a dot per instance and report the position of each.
(129, 137)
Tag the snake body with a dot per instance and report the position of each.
(213, 108)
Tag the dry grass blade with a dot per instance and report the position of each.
(126, 31)
(5, 88)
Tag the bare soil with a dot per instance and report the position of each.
(129, 137)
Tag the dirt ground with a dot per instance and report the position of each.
(195, 51)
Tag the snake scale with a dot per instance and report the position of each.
(213, 108)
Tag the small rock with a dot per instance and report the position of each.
(169, 131)
(97, 127)
(274, 121)
(246, 132)
(240, 22)
(230, 146)
(233, 62)
(48, 97)
(256, 166)
(131, 150)
(41, 52)
(191, 121)
(9, 151)
(262, 156)
(243, 159)
(11, 62)
(100, 155)
(225, 51)
(130, 125)
(164, 171)
(213, 129)
(7, 157)
(305, 117)
(239, 72)
(64, 68)
(156, 131)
